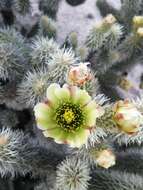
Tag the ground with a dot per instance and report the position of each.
(80, 18)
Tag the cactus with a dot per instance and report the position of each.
(63, 120)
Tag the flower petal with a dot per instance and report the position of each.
(45, 124)
(51, 92)
(92, 111)
(57, 134)
(82, 97)
(42, 111)
(62, 93)
(72, 90)
(92, 105)
(79, 138)
(91, 118)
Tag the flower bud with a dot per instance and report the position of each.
(106, 159)
(109, 19)
(3, 140)
(79, 75)
(138, 21)
(140, 31)
(127, 117)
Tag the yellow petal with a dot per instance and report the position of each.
(62, 93)
(92, 111)
(51, 92)
(45, 124)
(42, 111)
(78, 138)
(82, 97)
(74, 140)
(91, 118)
(92, 105)
(56, 133)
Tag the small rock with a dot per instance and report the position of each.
(75, 2)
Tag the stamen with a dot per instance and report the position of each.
(69, 116)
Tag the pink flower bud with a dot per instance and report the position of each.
(127, 117)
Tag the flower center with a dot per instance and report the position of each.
(69, 116)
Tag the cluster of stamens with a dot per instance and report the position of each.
(69, 116)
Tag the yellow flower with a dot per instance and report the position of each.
(106, 159)
(68, 115)
(127, 117)
(79, 75)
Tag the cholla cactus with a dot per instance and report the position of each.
(108, 180)
(106, 8)
(4, 5)
(48, 183)
(12, 67)
(129, 8)
(99, 154)
(12, 62)
(47, 27)
(10, 35)
(16, 153)
(102, 41)
(9, 118)
(9, 155)
(114, 36)
(73, 174)
(67, 135)
(71, 41)
(108, 31)
(127, 140)
(64, 57)
(106, 122)
(60, 64)
(42, 50)
(82, 53)
(33, 87)
(131, 46)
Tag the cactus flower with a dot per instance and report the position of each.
(68, 115)
(127, 117)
